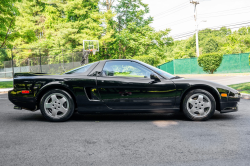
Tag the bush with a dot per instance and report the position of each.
(210, 62)
(149, 59)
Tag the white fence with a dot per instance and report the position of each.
(50, 69)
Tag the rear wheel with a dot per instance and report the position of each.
(57, 105)
(199, 105)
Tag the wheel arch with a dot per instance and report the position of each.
(210, 89)
(45, 89)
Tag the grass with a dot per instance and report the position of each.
(242, 88)
(6, 84)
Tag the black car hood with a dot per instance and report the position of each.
(203, 82)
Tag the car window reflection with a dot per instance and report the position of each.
(125, 69)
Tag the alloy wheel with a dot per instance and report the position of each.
(199, 105)
(56, 105)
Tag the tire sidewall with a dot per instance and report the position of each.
(201, 91)
(67, 115)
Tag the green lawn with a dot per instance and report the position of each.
(243, 88)
(6, 84)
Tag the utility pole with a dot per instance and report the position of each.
(196, 25)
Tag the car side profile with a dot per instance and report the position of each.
(120, 86)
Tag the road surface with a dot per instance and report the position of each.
(112, 140)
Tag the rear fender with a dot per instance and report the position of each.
(54, 85)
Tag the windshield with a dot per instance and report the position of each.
(81, 69)
(161, 72)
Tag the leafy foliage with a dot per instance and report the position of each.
(132, 35)
(222, 41)
(8, 13)
(210, 62)
(123, 31)
(149, 59)
(210, 46)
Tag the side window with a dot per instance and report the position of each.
(125, 69)
(81, 69)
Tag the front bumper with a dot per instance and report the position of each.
(228, 107)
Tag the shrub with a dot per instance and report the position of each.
(210, 62)
(210, 46)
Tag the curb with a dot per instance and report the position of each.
(245, 96)
(4, 91)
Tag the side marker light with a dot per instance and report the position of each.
(223, 95)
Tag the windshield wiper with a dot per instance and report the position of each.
(176, 77)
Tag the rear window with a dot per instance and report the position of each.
(81, 69)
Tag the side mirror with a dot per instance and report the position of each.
(155, 78)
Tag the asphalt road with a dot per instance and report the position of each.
(112, 140)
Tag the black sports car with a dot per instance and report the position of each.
(120, 86)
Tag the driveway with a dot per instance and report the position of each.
(27, 139)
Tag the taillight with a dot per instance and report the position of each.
(25, 91)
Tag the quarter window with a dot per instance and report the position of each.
(125, 69)
(81, 69)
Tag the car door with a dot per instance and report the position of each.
(126, 85)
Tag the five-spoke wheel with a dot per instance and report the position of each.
(199, 105)
(57, 105)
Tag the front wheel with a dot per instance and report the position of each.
(57, 105)
(199, 105)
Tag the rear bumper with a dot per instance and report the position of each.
(27, 102)
(229, 107)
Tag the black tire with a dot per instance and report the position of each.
(197, 108)
(67, 105)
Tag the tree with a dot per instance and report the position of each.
(210, 46)
(47, 24)
(8, 13)
(132, 11)
(242, 31)
(133, 37)
(210, 62)
(108, 4)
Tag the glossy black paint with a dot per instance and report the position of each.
(94, 93)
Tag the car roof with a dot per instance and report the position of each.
(119, 60)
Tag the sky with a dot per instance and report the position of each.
(178, 15)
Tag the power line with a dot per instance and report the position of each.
(171, 24)
(174, 8)
(189, 34)
(178, 21)
(246, 7)
(216, 27)
(213, 28)
(169, 13)
(212, 15)
(183, 34)
(225, 14)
